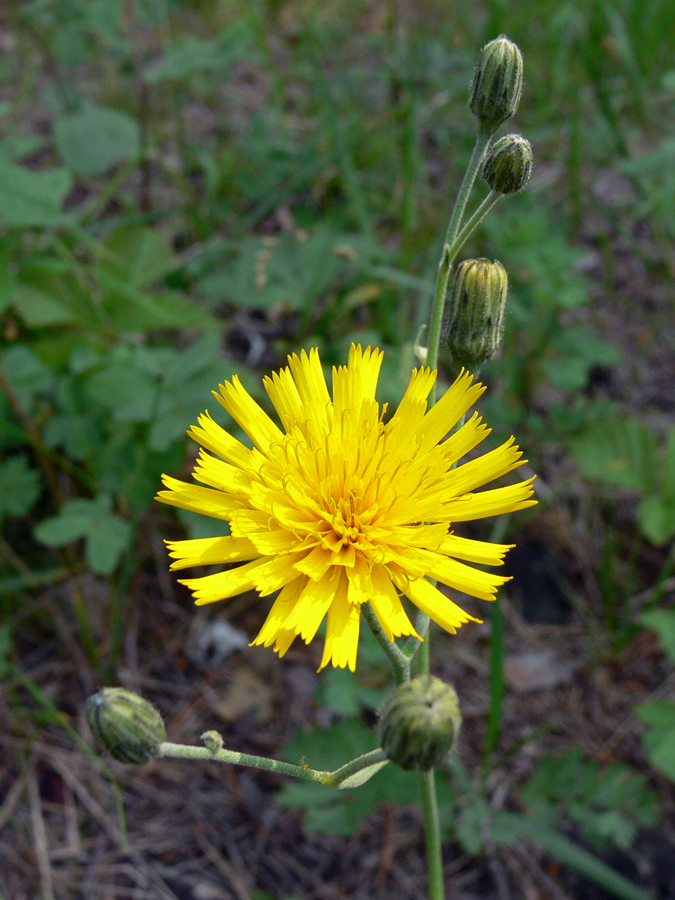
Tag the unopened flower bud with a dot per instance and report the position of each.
(508, 164)
(497, 83)
(419, 723)
(126, 725)
(476, 307)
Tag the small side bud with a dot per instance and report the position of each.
(497, 83)
(126, 725)
(212, 741)
(420, 723)
(476, 309)
(508, 164)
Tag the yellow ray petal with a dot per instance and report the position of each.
(436, 605)
(222, 585)
(474, 551)
(214, 438)
(250, 417)
(449, 409)
(275, 623)
(342, 632)
(210, 551)
(387, 606)
(283, 393)
(311, 384)
(198, 499)
(490, 503)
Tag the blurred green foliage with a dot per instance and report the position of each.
(193, 189)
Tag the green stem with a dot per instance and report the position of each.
(472, 224)
(432, 835)
(445, 265)
(398, 659)
(335, 778)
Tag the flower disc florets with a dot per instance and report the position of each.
(341, 507)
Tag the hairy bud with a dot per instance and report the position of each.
(419, 723)
(508, 164)
(497, 83)
(126, 725)
(475, 321)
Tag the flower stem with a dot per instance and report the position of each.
(399, 660)
(445, 265)
(335, 778)
(472, 223)
(432, 835)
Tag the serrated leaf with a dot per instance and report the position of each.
(94, 138)
(19, 487)
(32, 199)
(73, 522)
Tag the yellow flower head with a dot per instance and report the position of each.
(340, 508)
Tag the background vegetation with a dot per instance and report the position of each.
(193, 188)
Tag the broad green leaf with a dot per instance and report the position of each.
(663, 622)
(620, 452)
(656, 515)
(107, 539)
(19, 486)
(27, 373)
(93, 139)
(74, 520)
(122, 388)
(32, 199)
(660, 748)
(668, 481)
(38, 309)
(660, 714)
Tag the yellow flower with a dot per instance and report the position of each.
(341, 507)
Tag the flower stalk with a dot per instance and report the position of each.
(169, 750)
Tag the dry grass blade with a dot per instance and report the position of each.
(40, 837)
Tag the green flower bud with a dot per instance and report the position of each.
(497, 83)
(126, 725)
(475, 320)
(508, 164)
(419, 723)
(212, 741)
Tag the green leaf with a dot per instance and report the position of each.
(656, 516)
(570, 854)
(5, 650)
(27, 373)
(329, 811)
(107, 535)
(93, 139)
(19, 487)
(663, 622)
(359, 778)
(32, 199)
(108, 538)
(620, 452)
(73, 521)
(38, 309)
